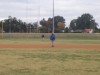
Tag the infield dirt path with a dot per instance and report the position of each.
(67, 46)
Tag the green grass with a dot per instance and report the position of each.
(47, 41)
(61, 38)
(49, 62)
(81, 36)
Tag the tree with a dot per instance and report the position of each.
(86, 21)
(47, 25)
(61, 25)
(44, 26)
(1, 22)
(12, 24)
(73, 25)
(66, 30)
(57, 20)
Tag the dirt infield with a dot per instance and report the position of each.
(68, 46)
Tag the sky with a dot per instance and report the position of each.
(34, 10)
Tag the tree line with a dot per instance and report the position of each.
(14, 25)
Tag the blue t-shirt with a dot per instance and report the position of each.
(52, 37)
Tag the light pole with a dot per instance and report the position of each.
(38, 23)
(53, 18)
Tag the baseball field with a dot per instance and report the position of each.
(29, 54)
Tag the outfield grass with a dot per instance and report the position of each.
(49, 62)
(78, 36)
(47, 41)
(61, 38)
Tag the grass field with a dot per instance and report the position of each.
(50, 61)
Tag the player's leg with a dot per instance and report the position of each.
(52, 43)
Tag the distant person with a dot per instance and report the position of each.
(52, 38)
(42, 36)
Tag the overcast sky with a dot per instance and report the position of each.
(33, 10)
